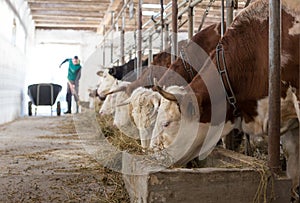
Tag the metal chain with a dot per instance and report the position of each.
(205, 14)
(186, 60)
(225, 80)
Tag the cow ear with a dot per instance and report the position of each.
(156, 103)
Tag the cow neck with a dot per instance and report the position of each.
(187, 68)
(199, 89)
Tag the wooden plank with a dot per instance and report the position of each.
(65, 18)
(67, 1)
(68, 25)
(116, 5)
(67, 6)
(67, 13)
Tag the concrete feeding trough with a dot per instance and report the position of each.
(226, 177)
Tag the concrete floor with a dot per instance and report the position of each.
(42, 160)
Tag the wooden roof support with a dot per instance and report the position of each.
(115, 5)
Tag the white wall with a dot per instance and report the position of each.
(15, 36)
(52, 47)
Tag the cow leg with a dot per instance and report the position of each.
(248, 148)
(290, 141)
(296, 105)
(234, 139)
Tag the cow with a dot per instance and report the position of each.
(106, 84)
(207, 38)
(290, 143)
(241, 57)
(162, 58)
(181, 72)
(109, 104)
(119, 72)
(144, 104)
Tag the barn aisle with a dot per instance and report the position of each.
(42, 160)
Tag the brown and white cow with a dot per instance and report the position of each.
(245, 49)
(143, 101)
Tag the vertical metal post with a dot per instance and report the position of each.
(274, 86)
(222, 18)
(191, 21)
(166, 36)
(150, 56)
(112, 37)
(104, 46)
(175, 30)
(229, 12)
(130, 54)
(162, 25)
(122, 40)
(139, 40)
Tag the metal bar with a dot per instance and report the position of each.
(274, 86)
(229, 12)
(150, 56)
(104, 47)
(191, 21)
(112, 37)
(166, 36)
(51, 86)
(191, 5)
(174, 30)
(115, 20)
(122, 40)
(139, 40)
(162, 25)
(222, 18)
(157, 15)
(168, 15)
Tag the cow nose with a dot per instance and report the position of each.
(102, 97)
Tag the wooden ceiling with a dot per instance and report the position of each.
(96, 15)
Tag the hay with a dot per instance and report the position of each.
(117, 138)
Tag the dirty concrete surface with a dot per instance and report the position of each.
(42, 160)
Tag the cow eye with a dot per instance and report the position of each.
(166, 124)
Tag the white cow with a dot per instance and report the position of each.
(106, 83)
(143, 104)
(122, 117)
(109, 105)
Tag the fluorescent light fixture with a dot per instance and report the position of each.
(151, 13)
(152, 6)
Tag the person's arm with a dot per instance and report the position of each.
(63, 62)
(78, 75)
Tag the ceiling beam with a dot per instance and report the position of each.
(67, 18)
(114, 6)
(67, 6)
(75, 25)
(66, 28)
(68, 1)
(67, 13)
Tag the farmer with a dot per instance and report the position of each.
(74, 73)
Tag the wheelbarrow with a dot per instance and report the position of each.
(43, 94)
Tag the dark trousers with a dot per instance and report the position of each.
(69, 95)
